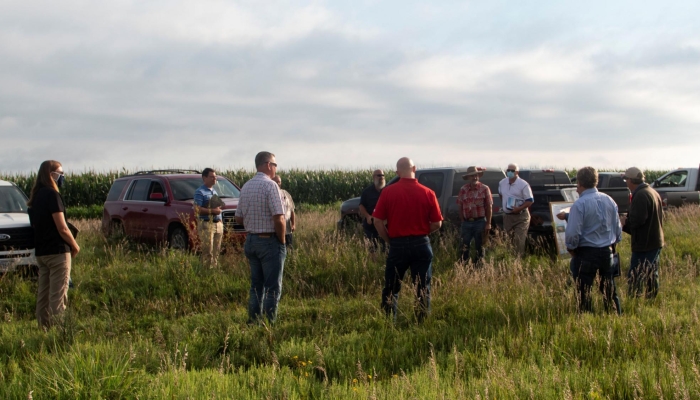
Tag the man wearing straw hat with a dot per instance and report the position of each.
(475, 206)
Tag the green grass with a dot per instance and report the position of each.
(147, 322)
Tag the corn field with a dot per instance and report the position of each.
(90, 188)
(306, 186)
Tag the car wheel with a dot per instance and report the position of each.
(178, 238)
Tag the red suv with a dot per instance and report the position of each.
(157, 207)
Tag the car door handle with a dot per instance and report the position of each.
(683, 197)
(125, 208)
(144, 209)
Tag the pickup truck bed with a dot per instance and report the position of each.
(547, 187)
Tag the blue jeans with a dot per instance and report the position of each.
(473, 230)
(587, 262)
(644, 273)
(414, 253)
(266, 257)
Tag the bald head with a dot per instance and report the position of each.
(514, 167)
(277, 180)
(405, 168)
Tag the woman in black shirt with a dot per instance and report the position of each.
(54, 245)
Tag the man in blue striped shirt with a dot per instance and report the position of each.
(209, 226)
(592, 231)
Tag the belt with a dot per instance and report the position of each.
(518, 213)
(208, 220)
(475, 219)
(264, 234)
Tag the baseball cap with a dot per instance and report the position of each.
(634, 173)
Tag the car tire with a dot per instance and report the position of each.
(178, 238)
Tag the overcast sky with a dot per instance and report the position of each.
(140, 84)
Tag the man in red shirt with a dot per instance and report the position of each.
(406, 213)
(475, 205)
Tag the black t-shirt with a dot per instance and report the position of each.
(47, 240)
(369, 199)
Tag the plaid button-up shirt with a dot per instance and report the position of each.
(473, 201)
(260, 200)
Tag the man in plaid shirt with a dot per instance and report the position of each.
(475, 206)
(261, 211)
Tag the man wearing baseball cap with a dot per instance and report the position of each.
(644, 223)
(475, 209)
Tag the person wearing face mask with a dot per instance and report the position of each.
(54, 243)
(368, 200)
(516, 196)
(475, 204)
(592, 231)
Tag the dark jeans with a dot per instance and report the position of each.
(373, 236)
(412, 252)
(266, 257)
(588, 262)
(473, 230)
(644, 273)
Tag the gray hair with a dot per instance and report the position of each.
(263, 157)
(587, 177)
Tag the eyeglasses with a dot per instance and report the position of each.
(273, 164)
(510, 170)
(57, 172)
(379, 175)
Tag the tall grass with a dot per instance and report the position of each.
(147, 322)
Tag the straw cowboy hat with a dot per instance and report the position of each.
(473, 171)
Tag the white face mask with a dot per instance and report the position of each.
(510, 175)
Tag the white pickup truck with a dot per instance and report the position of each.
(16, 234)
(679, 187)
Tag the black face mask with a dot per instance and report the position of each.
(60, 180)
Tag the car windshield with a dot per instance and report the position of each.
(12, 200)
(183, 189)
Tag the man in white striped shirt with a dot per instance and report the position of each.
(261, 211)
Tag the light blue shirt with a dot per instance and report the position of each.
(593, 221)
(201, 198)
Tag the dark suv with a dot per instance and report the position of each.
(157, 207)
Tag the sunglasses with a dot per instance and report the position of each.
(510, 170)
(380, 175)
(273, 164)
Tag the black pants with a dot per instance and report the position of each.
(587, 262)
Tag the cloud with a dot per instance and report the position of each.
(129, 84)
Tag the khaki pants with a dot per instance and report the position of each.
(210, 236)
(52, 296)
(516, 226)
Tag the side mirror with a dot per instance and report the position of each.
(156, 197)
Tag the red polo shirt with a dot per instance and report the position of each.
(408, 207)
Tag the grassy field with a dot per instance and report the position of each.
(151, 323)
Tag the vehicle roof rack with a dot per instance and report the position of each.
(168, 171)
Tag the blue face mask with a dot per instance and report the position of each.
(510, 175)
